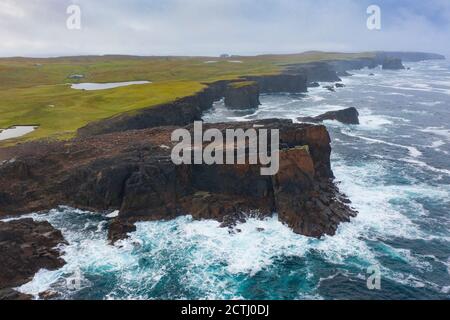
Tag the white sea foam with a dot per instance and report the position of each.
(209, 253)
(438, 131)
(413, 151)
(437, 144)
(316, 98)
(425, 165)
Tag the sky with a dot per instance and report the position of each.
(213, 27)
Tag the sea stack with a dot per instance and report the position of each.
(242, 95)
(393, 64)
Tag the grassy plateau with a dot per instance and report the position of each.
(37, 91)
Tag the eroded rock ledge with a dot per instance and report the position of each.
(132, 172)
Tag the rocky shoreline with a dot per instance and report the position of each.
(26, 247)
(133, 172)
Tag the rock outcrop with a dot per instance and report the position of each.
(283, 83)
(242, 95)
(133, 172)
(26, 247)
(347, 116)
(393, 64)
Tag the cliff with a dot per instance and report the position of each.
(132, 172)
(287, 83)
(26, 247)
(242, 95)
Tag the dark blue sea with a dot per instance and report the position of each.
(395, 167)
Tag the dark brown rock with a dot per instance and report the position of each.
(26, 247)
(132, 172)
(119, 229)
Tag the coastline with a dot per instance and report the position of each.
(128, 125)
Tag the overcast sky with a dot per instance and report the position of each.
(212, 27)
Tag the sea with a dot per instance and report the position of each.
(394, 166)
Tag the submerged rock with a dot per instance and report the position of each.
(330, 88)
(347, 116)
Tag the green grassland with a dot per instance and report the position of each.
(37, 91)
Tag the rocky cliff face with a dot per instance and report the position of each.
(132, 171)
(315, 72)
(288, 83)
(242, 95)
(178, 113)
(26, 247)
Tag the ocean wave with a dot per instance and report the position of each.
(438, 131)
(413, 151)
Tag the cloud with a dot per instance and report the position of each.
(212, 27)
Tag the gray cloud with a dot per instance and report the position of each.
(211, 27)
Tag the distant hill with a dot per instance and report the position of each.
(410, 56)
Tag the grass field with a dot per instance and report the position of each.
(37, 91)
